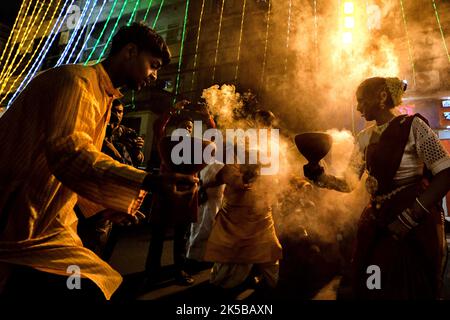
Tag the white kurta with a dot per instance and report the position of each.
(201, 230)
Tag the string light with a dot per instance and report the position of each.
(240, 42)
(18, 18)
(4, 77)
(31, 72)
(101, 33)
(105, 47)
(73, 36)
(410, 50)
(316, 44)
(180, 58)
(133, 14)
(38, 62)
(90, 32)
(218, 41)
(441, 30)
(81, 32)
(148, 9)
(288, 36)
(263, 71)
(197, 43)
(157, 15)
(28, 47)
(349, 23)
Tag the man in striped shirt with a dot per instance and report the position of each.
(50, 139)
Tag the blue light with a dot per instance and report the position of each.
(81, 33)
(90, 32)
(73, 36)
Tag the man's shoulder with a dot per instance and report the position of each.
(71, 71)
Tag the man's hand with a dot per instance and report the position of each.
(398, 229)
(139, 143)
(170, 183)
(313, 171)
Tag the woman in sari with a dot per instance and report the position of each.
(401, 229)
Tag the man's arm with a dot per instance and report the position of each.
(74, 119)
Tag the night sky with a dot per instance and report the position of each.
(8, 11)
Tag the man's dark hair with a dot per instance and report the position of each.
(144, 37)
(116, 102)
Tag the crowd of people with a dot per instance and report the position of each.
(71, 175)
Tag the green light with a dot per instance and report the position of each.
(134, 12)
(148, 9)
(181, 50)
(240, 42)
(113, 31)
(411, 58)
(101, 34)
(157, 15)
(218, 41)
(440, 28)
(197, 43)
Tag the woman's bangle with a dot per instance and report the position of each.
(422, 206)
(406, 215)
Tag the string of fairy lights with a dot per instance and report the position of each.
(444, 43)
(38, 24)
(40, 59)
(180, 57)
(218, 41)
(197, 43)
(408, 40)
(241, 31)
(266, 43)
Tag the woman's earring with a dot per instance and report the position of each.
(382, 106)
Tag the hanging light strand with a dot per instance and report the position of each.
(441, 30)
(240, 42)
(157, 15)
(148, 9)
(408, 40)
(31, 20)
(48, 43)
(12, 33)
(266, 42)
(316, 35)
(73, 36)
(218, 41)
(90, 32)
(30, 60)
(85, 24)
(288, 36)
(180, 58)
(197, 42)
(105, 47)
(133, 14)
(101, 33)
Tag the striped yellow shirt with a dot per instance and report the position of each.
(50, 141)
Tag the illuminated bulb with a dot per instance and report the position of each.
(347, 37)
(349, 22)
(348, 7)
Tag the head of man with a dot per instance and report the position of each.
(116, 113)
(137, 53)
